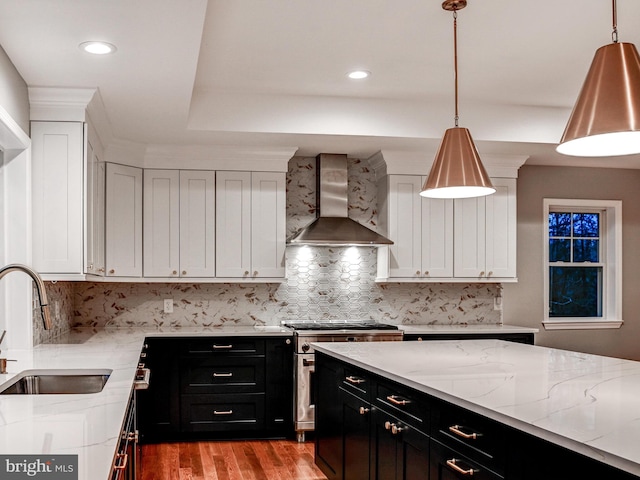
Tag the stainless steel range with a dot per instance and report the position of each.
(307, 332)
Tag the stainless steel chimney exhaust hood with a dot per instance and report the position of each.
(333, 227)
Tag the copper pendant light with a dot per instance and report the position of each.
(457, 171)
(606, 117)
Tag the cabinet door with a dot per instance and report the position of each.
(95, 196)
(437, 237)
(161, 206)
(279, 385)
(405, 218)
(356, 424)
(268, 229)
(233, 224)
(501, 229)
(469, 237)
(328, 419)
(123, 221)
(58, 179)
(197, 224)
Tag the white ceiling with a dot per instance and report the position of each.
(272, 72)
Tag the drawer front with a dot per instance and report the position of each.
(222, 413)
(408, 405)
(220, 346)
(223, 375)
(356, 381)
(478, 437)
(449, 464)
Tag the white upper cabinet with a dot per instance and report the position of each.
(179, 214)
(421, 229)
(95, 209)
(250, 224)
(57, 196)
(485, 234)
(123, 221)
(197, 223)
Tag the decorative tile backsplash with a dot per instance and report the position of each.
(322, 282)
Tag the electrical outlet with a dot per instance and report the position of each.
(168, 305)
(497, 303)
(56, 309)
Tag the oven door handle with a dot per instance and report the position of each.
(308, 363)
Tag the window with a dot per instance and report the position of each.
(583, 263)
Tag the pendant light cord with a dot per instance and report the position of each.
(614, 34)
(455, 62)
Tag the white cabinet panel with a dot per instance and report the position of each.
(485, 233)
(95, 211)
(268, 217)
(233, 224)
(123, 221)
(161, 217)
(197, 224)
(250, 224)
(57, 196)
(422, 231)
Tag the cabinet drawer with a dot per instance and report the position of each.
(222, 413)
(447, 463)
(221, 346)
(408, 405)
(222, 375)
(355, 381)
(478, 437)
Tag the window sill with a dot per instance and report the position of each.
(580, 324)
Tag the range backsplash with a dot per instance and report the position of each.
(322, 282)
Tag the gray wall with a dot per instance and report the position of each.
(14, 96)
(523, 302)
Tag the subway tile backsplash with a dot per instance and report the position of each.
(322, 283)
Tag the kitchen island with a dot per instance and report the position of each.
(573, 402)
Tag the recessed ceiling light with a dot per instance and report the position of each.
(97, 48)
(359, 74)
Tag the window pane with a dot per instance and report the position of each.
(586, 224)
(585, 250)
(559, 250)
(559, 224)
(575, 291)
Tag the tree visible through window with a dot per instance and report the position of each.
(575, 268)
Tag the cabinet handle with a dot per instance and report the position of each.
(489, 274)
(426, 273)
(255, 273)
(222, 347)
(246, 272)
(222, 412)
(396, 400)
(452, 463)
(395, 430)
(481, 273)
(184, 272)
(354, 380)
(101, 270)
(227, 374)
(124, 458)
(112, 271)
(417, 272)
(388, 425)
(467, 436)
(363, 410)
(175, 272)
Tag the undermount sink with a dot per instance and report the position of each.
(58, 381)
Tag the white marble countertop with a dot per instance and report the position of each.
(86, 425)
(587, 403)
(464, 329)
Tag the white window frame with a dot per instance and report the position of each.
(611, 248)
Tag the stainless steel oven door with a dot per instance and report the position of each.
(304, 401)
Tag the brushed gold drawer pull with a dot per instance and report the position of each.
(222, 412)
(123, 463)
(355, 380)
(388, 425)
(396, 400)
(221, 347)
(395, 430)
(229, 374)
(452, 463)
(363, 410)
(467, 436)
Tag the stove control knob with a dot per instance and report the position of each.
(305, 347)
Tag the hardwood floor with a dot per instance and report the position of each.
(230, 460)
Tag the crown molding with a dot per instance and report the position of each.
(59, 104)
